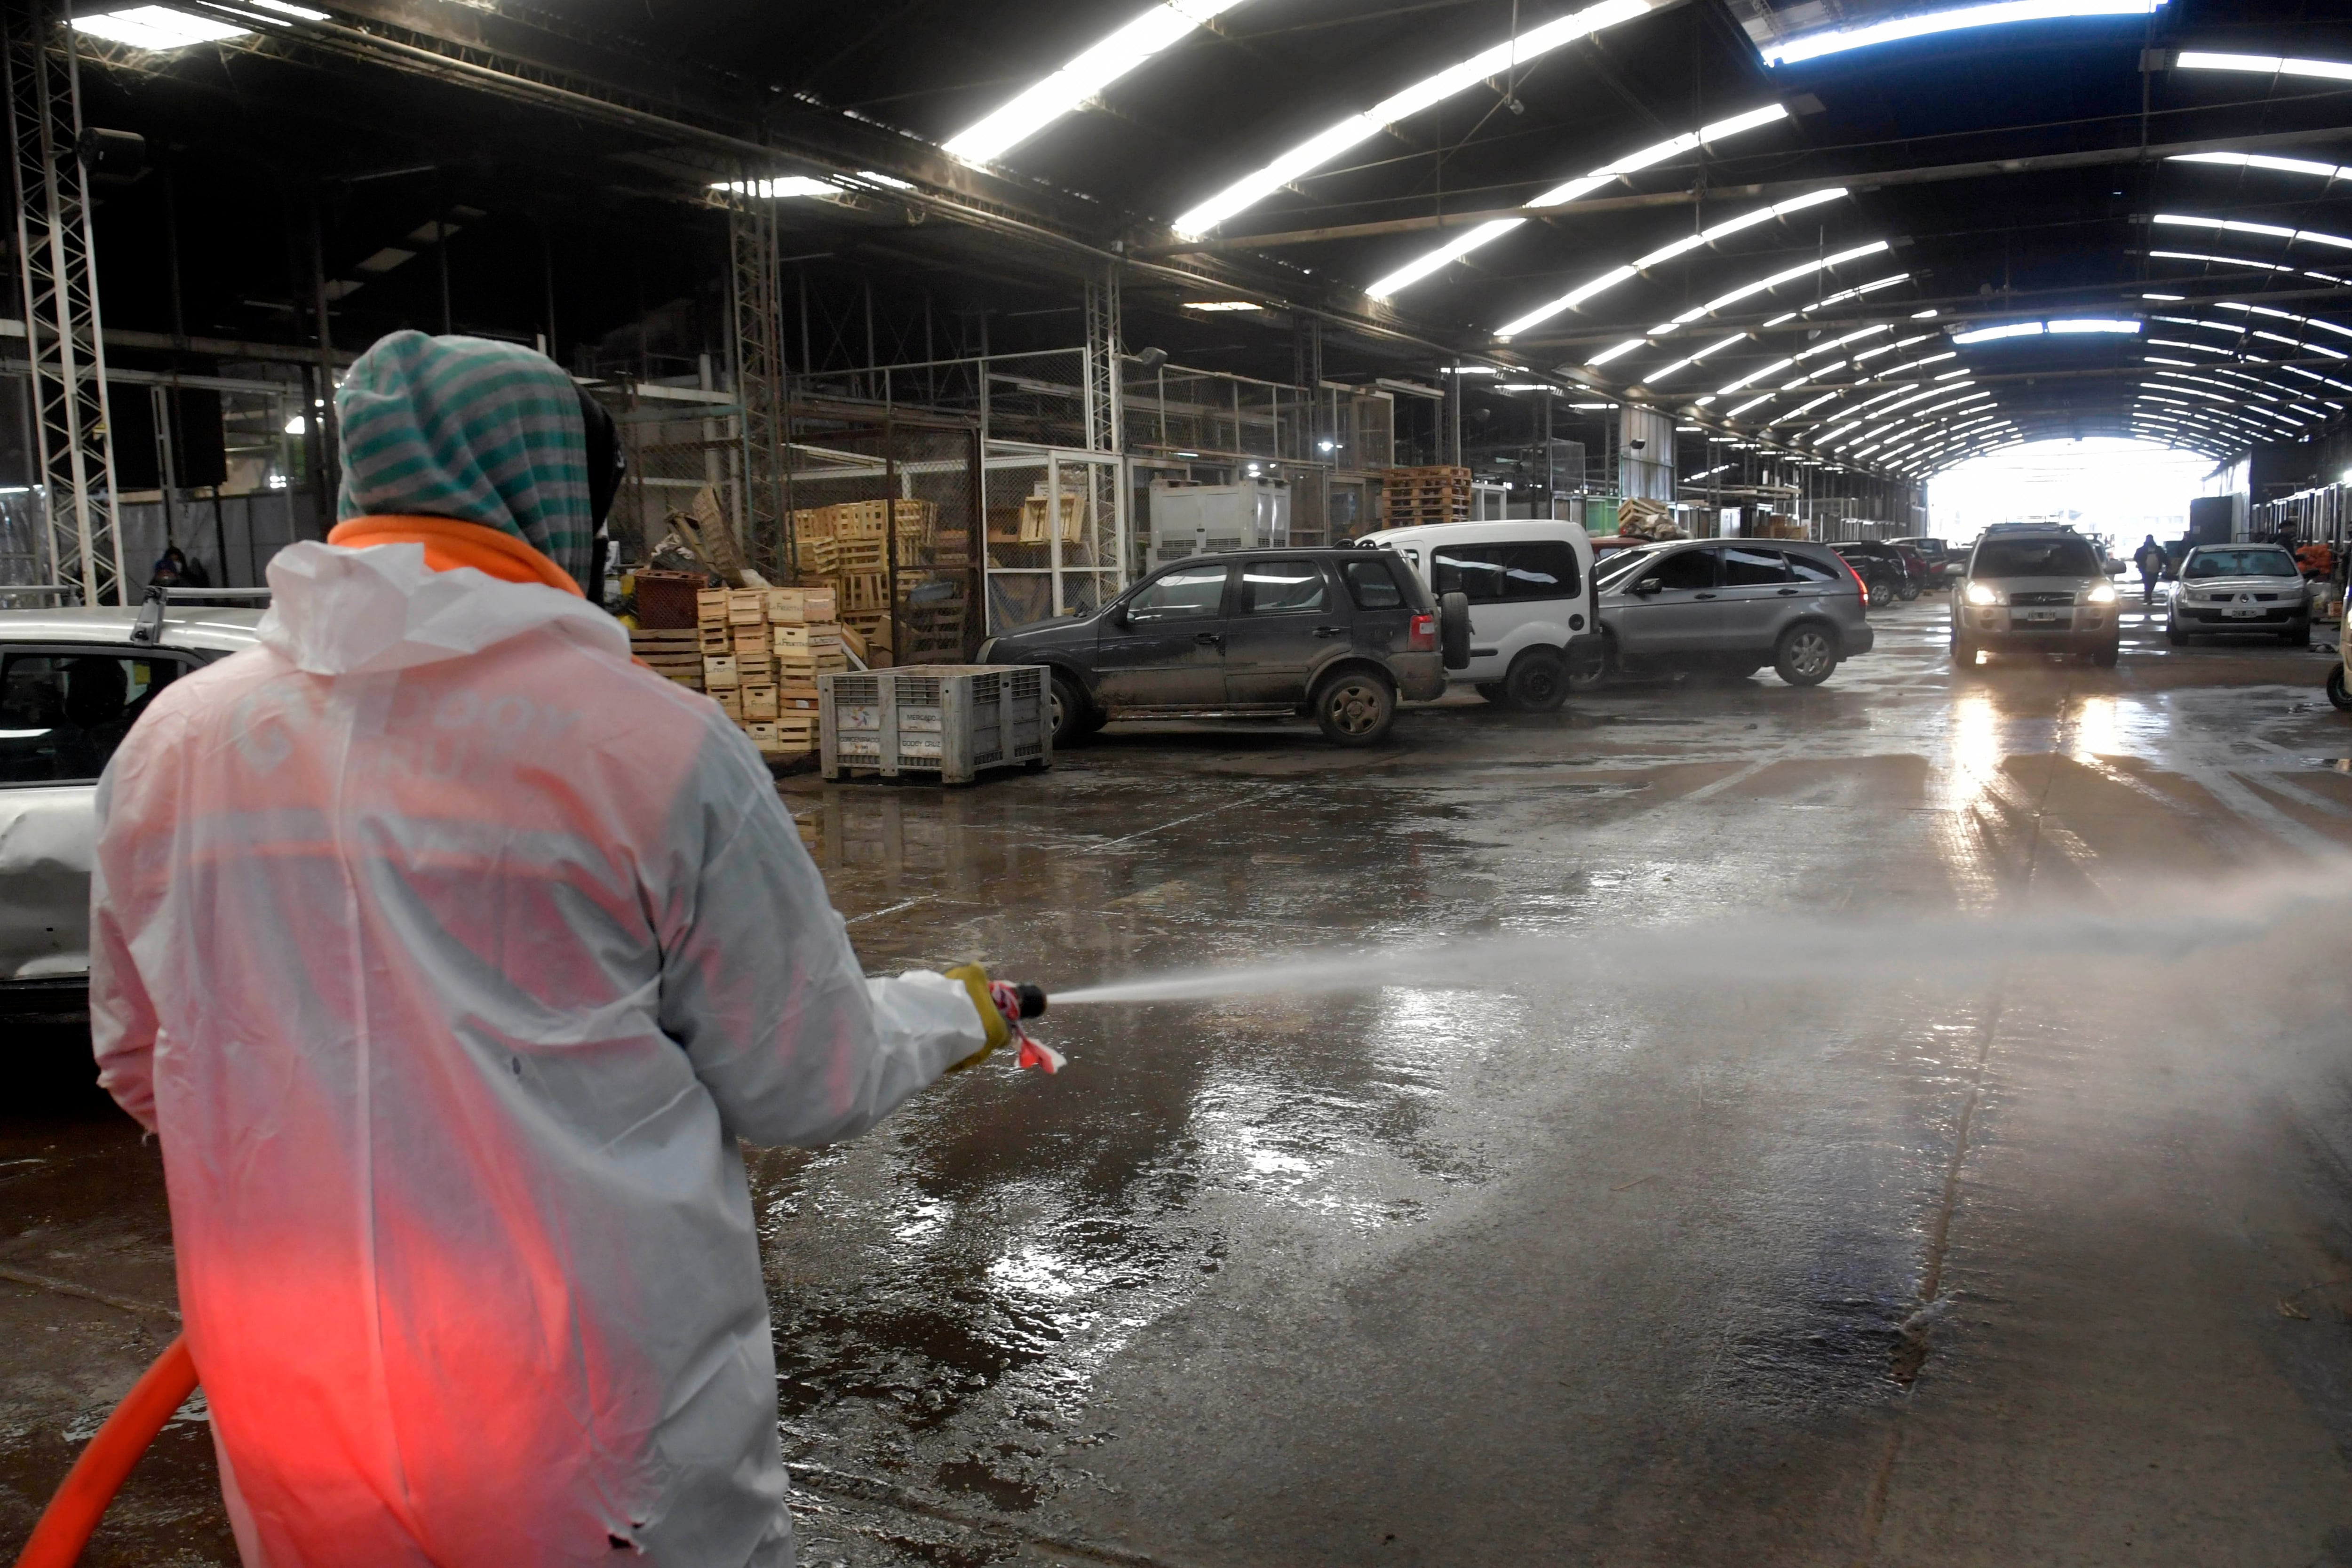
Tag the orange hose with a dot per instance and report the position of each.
(67, 1523)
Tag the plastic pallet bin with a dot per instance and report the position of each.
(948, 721)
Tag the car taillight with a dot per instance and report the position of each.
(1424, 634)
(1859, 585)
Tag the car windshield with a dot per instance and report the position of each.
(2016, 557)
(1612, 569)
(2267, 562)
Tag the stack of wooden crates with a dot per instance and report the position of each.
(1412, 497)
(848, 545)
(762, 649)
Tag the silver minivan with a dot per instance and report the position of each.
(1730, 606)
(1534, 628)
(72, 682)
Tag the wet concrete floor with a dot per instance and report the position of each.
(2044, 1261)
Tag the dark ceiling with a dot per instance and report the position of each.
(573, 150)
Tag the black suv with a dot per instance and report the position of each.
(1881, 567)
(1339, 634)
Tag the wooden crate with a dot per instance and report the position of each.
(800, 606)
(749, 639)
(916, 518)
(862, 592)
(719, 674)
(1033, 519)
(822, 638)
(859, 556)
(760, 671)
(710, 606)
(759, 703)
(730, 703)
(747, 606)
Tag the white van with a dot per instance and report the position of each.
(1533, 627)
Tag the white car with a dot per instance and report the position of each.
(72, 682)
(1533, 624)
(2238, 588)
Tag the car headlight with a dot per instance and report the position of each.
(1978, 593)
(2101, 594)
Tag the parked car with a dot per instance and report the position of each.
(2028, 591)
(1534, 627)
(72, 683)
(1730, 606)
(1883, 569)
(1942, 561)
(1339, 634)
(2240, 588)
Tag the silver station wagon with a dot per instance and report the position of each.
(72, 683)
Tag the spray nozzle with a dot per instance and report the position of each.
(1032, 998)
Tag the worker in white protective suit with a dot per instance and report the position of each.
(448, 953)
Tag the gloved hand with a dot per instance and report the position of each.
(1002, 1005)
(993, 1021)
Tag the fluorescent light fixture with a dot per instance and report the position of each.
(789, 186)
(157, 29)
(1618, 351)
(1994, 334)
(2078, 324)
(1838, 40)
(2235, 225)
(1318, 149)
(2268, 65)
(1473, 369)
(2258, 161)
(1223, 305)
(1084, 75)
(1753, 376)
(298, 426)
(1486, 233)
(1923, 315)
(2167, 298)
(1664, 371)
(1751, 403)
(1610, 279)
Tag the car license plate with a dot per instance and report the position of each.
(2243, 613)
(2041, 615)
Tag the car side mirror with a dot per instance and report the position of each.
(1648, 586)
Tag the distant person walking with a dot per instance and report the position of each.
(2151, 563)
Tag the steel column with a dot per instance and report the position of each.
(58, 277)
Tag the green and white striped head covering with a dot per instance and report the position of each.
(466, 428)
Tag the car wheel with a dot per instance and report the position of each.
(1909, 590)
(1805, 654)
(1964, 653)
(1881, 591)
(1070, 712)
(1492, 691)
(1354, 707)
(1538, 682)
(2299, 637)
(2106, 657)
(2174, 634)
(2337, 691)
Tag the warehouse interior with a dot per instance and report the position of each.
(1654, 254)
(1706, 1109)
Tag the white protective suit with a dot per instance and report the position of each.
(449, 952)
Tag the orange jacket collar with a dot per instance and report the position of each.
(449, 544)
